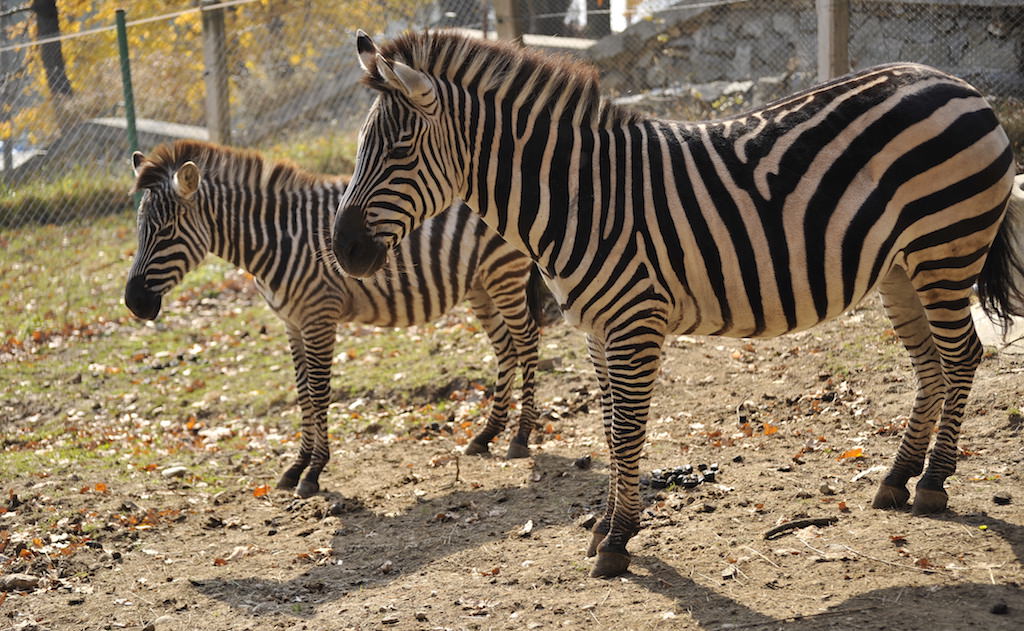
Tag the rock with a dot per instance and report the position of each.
(421, 616)
(389, 620)
(526, 529)
(1002, 498)
(706, 507)
(583, 462)
(1000, 609)
(729, 572)
(386, 567)
(827, 489)
(19, 582)
(786, 468)
(176, 471)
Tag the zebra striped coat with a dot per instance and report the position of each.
(273, 220)
(895, 178)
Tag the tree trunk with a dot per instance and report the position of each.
(48, 25)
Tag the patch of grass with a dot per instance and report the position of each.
(333, 153)
(79, 193)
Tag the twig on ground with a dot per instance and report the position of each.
(770, 562)
(799, 523)
(931, 569)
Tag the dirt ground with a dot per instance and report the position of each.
(408, 534)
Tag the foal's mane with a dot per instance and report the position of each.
(453, 56)
(221, 162)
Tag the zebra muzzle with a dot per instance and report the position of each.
(357, 253)
(143, 302)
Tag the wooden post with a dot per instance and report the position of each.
(508, 23)
(833, 38)
(218, 112)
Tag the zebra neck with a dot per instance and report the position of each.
(252, 227)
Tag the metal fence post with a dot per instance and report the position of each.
(507, 22)
(218, 112)
(833, 38)
(126, 81)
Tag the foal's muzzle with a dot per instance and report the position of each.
(142, 302)
(357, 253)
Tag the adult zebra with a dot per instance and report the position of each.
(772, 221)
(273, 220)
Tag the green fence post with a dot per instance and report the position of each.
(126, 81)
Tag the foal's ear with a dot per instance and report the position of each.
(186, 179)
(137, 160)
(368, 53)
(412, 83)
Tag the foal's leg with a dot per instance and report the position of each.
(290, 478)
(319, 342)
(908, 318)
(504, 348)
(514, 310)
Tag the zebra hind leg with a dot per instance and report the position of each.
(910, 322)
(514, 311)
(501, 339)
(961, 352)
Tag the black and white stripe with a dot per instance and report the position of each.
(772, 221)
(274, 221)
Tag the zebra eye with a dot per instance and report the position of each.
(402, 151)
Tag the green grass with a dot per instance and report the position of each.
(79, 192)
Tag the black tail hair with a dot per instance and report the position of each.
(1001, 282)
(543, 306)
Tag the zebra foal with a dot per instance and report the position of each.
(274, 221)
(895, 178)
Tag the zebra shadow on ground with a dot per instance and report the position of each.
(437, 527)
(924, 608)
(415, 538)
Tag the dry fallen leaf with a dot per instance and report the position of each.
(856, 452)
(260, 491)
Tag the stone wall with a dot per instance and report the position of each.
(982, 40)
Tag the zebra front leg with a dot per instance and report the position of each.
(961, 354)
(603, 525)
(319, 342)
(504, 349)
(291, 476)
(633, 358)
(910, 323)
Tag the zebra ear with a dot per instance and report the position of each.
(137, 160)
(186, 180)
(368, 53)
(412, 83)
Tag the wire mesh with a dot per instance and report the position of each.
(291, 75)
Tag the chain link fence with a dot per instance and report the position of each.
(283, 75)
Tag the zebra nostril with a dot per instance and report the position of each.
(357, 253)
(140, 299)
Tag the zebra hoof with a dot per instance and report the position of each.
(286, 483)
(307, 488)
(610, 564)
(476, 449)
(929, 501)
(595, 540)
(889, 496)
(517, 450)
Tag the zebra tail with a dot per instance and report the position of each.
(1001, 282)
(541, 302)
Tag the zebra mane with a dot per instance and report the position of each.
(220, 162)
(482, 65)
